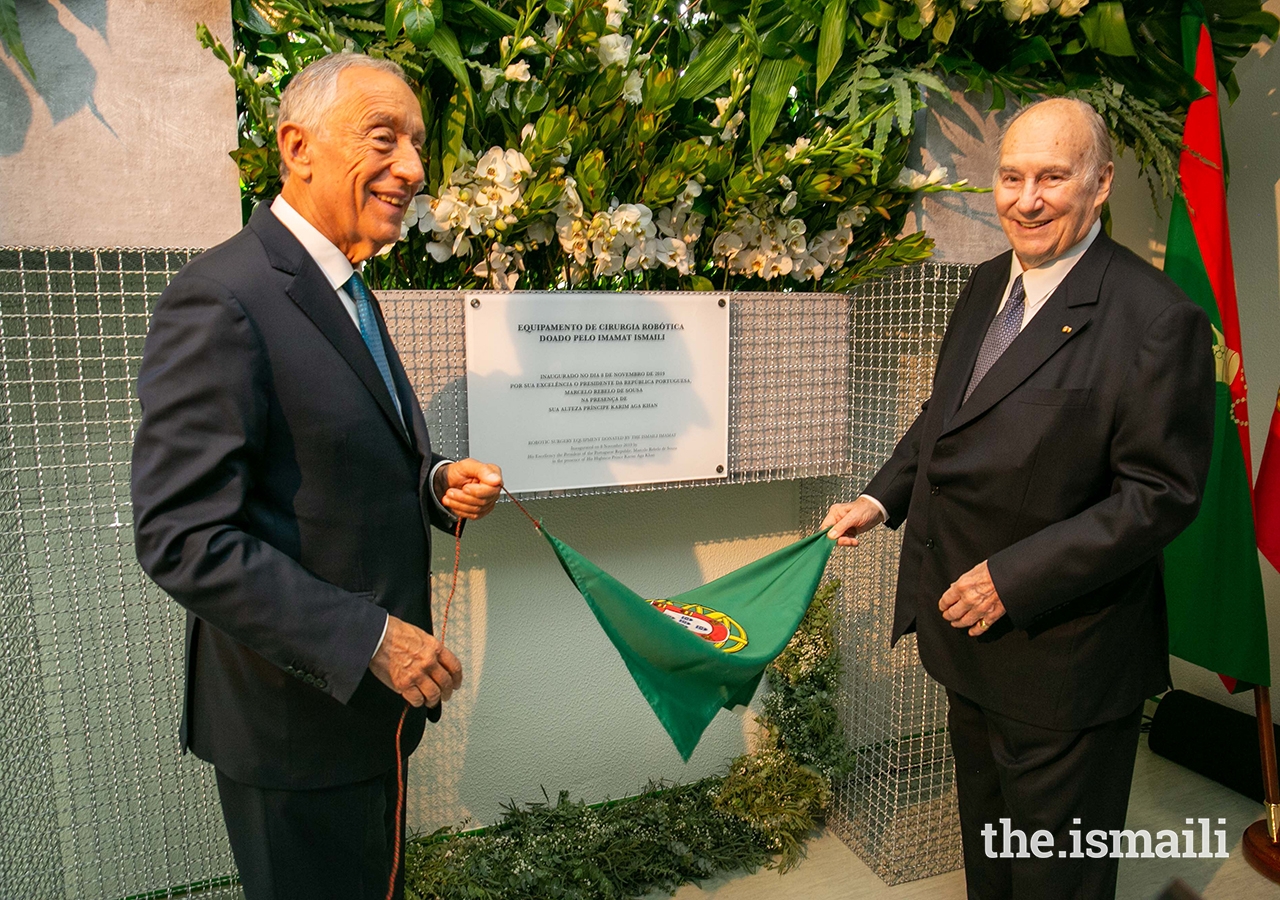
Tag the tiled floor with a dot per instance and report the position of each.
(1164, 796)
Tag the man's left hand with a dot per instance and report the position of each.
(469, 488)
(972, 602)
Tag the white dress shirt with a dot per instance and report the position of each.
(1039, 284)
(337, 270)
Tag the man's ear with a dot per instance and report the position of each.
(295, 150)
(1105, 177)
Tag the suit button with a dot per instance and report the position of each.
(934, 489)
(929, 543)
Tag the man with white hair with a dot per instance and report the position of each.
(1065, 443)
(283, 484)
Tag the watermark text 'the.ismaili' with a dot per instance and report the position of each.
(1189, 843)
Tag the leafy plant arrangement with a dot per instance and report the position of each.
(730, 143)
(759, 813)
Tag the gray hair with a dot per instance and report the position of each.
(1100, 152)
(309, 95)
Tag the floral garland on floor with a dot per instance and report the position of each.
(742, 144)
(760, 812)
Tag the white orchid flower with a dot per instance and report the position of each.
(731, 127)
(1068, 8)
(517, 71)
(615, 11)
(493, 165)
(674, 254)
(727, 244)
(913, 180)
(852, 217)
(798, 148)
(614, 50)
(722, 107)
(633, 88)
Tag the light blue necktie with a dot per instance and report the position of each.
(1004, 328)
(357, 291)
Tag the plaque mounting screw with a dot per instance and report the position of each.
(723, 303)
(720, 469)
(475, 302)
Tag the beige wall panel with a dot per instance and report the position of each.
(122, 138)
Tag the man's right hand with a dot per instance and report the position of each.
(415, 665)
(848, 520)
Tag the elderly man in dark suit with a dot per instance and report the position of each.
(283, 484)
(1066, 442)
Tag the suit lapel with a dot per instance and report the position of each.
(313, 294)
(1064, 315)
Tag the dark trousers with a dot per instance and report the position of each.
(1067, 783)
(329, 844)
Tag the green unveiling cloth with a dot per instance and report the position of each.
(705, 649)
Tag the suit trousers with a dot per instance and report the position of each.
(326, 844)
(1067, 783)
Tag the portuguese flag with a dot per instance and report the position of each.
(1213, 580)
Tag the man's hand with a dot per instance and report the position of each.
(415, 665)
(848, 520)
(972, 602)
(468, 488)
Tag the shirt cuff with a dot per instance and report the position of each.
(385, 625)
(431, 486)
(884, 513)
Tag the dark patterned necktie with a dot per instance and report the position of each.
(1004, 328)
(356, 290)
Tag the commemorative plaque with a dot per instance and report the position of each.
(580, 389)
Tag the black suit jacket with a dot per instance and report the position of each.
(1078, 457)
(280, 498)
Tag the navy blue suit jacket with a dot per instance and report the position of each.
(279, 497)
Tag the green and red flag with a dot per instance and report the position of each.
(704, 650)
(1213, 580)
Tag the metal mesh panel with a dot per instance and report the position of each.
(788, 382)
(94, 798)
(95, 801)
(897, 810)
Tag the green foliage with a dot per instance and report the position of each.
(667, 836)
(802, 112)
(799, 709)
(772, 792)
(760, 812)
(611, 106)
(11, 38)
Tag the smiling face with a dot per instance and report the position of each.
(1047, 194)
(353, 176)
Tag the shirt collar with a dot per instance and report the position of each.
(332, 261)
(1044, 279)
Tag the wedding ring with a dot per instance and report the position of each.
(982, 623)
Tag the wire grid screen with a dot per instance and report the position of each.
(95, 801)
(897, 810)
(788, 382)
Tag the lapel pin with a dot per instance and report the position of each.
(1066, 329)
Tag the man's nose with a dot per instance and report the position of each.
(407, 165)
(1029, 198)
